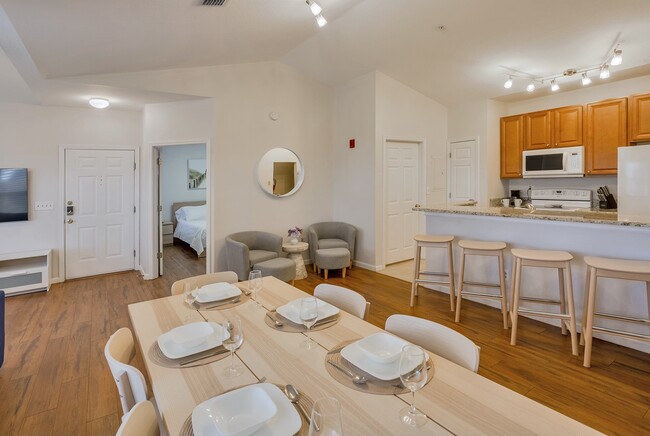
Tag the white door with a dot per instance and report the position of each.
(402, 163)
(100, 211)
(158, 187)
(463, 171)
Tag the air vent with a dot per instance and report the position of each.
(215, 2)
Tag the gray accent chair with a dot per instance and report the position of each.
(245, 249)
(331, 235)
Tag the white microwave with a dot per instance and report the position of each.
(554, 162)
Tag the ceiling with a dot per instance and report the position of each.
(46, 41)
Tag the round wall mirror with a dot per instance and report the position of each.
(280, 172)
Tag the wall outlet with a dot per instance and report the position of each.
(43, 205)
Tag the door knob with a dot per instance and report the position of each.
(70, 221)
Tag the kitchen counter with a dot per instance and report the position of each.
(593, 216)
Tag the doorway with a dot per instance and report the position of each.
(463, 171)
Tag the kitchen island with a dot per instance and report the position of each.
(582, 233)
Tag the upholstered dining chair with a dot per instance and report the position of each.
(140, 421)
(205, 279)
(245, 249)
(437, 338)
(343, 298)
(332, 234)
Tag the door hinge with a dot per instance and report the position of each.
(159, 160)
(133, 253)
(159, 208)
(450, 195)
(449, 155)
(160, 255)
(134, 166)
(133, 209)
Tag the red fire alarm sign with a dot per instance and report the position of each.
(352, 143)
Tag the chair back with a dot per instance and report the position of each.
(436, 338)
(140, 421)
(239, 245)
(224, 276)
(343, 298)
(131, 384)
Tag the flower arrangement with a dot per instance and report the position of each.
(294, 232)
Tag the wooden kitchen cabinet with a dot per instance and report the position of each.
(606, 129)
(567, 126)
(639, 118)
(537, 132)
(512, 139)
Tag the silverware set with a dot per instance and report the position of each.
(220, 303)
(201, 356)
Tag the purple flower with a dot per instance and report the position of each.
(295, 232)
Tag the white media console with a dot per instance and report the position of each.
(28, 271)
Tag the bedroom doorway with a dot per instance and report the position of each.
(181, 183)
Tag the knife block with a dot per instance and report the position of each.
(608, 203)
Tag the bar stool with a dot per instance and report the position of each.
(545, 259)
(638, 270)
(433, 241)
(482, 248)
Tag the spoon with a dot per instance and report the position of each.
(356, 379)
(293, 395)
(275, 321)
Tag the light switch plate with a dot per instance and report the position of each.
(43, 205)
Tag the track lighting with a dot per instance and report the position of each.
(316, 9)
(618, 57)
(554, 86)
(530, 87)
(604, 72)
(321, 20)
(508, 83)
(585, 79)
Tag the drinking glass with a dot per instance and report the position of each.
(308, 315)
(413, 374)
(326, 417)
(189, 293)
(255, 284)
(233, 336)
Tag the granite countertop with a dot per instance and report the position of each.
(593, 216)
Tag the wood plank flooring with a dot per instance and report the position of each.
(55, 380)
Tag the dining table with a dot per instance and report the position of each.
(456, 401)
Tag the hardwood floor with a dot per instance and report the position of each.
(55, 380)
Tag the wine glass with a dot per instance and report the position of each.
(233, 336)
(413, 374)
(255, 284)
(189, 296)
(308, 315)
(326, 417)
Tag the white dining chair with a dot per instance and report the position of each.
(343, 298)
(140, 421)
(224, 276)
(436, 338)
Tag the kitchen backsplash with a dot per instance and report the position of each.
(592, 183)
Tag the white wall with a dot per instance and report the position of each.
(174, 176)
(30, 136)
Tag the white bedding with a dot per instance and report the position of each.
(192, 232)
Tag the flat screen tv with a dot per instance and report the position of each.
(13, 194)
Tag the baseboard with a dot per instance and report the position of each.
(368, 266)
(54, 280)
(142, 273)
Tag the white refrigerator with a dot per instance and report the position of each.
(634, 181)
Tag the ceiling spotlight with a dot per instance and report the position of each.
(618, 57)
(554, 86)
(315, 7)
(508, 83)
(585, 79)
(321, 20)
(604, 72)
(530, 87)
(99, 103)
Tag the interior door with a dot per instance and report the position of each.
(158, 188)
(402, 193)
(100, 211)
(463, 171)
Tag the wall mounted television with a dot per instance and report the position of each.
(14, 204)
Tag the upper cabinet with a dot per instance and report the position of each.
(512, 139)
(606, 131)
(567, 126)
(639, 118)
(538, 130)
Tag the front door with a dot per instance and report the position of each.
(100, 211)
(402, 164)
(463, 170)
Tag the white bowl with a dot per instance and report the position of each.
(237, 413)
(382, 347)
(191, 335)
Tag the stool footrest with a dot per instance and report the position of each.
(433, 282)
(623, 318)
(481, 294)
(544, 314)
(539, 300)
(615, 332)
(486, 285)
(431, 273)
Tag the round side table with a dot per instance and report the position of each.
(295, 254)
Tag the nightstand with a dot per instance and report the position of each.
(168, 233)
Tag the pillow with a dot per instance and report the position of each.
(194, 213)
(180, 214)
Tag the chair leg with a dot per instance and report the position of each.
(344, 272)
(586, 302)
(452, 291)
(502, 286)
(325, 274)
(572, 309)
(591, 304)
(314, 265)
(514, 313)
(293, 282)
(461, 280)
(416, 274)
(560, 275)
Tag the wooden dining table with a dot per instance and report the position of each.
(457, 401)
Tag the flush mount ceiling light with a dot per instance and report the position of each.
(99, 103)
(321, 20)
(508, 83)
(316, 9)
(585, 79)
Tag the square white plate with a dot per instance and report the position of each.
(285, 422)
(190, 339)
(382, 347)
(216, 292)
(291, 311)
(383, 371)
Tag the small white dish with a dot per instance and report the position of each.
(216, 292)
(382, 347)
(190, 339)
(291, 311)
(285, 421)
(383, 371)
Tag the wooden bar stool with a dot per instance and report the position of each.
(482, 248)
(638, 270)
(433, 241)
(545, 259)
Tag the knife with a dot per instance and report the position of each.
(221, 303)
(324, 321)
(204, 356)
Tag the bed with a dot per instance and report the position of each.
(190, 224)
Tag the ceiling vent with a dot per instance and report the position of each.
(215, 2)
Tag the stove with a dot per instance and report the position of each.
(561, 199)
